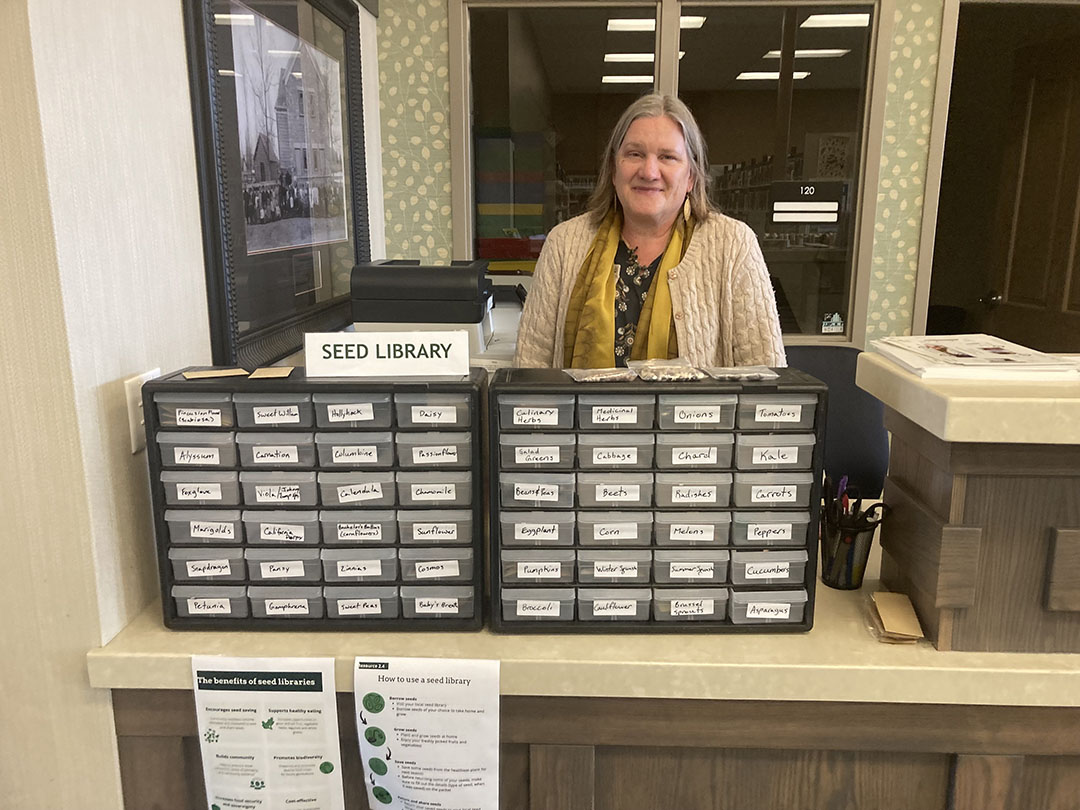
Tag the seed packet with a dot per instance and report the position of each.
(741, 373)
(601, 374)
(677, 370)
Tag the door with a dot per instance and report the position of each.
(1035, 297)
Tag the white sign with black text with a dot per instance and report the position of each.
(386, 354)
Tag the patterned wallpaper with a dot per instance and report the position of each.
(415, 98)
(414, 104)
(909, 108)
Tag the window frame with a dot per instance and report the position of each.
(462, 219)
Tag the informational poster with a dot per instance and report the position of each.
(268, 732)
(429, 732)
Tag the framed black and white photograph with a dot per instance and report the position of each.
(279, 140)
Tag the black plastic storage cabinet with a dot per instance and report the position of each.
(654, 507)
(325, 504)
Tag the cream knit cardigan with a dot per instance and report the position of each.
(721, 297)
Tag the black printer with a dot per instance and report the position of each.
(405, 291)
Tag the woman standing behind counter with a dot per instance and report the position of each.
(652, 270)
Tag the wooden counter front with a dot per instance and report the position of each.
(826, 719)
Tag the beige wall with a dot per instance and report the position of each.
(119, 152)
(103, 278)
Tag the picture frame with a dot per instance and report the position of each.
(277, 114)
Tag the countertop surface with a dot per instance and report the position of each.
(839, 660)
(976, 410)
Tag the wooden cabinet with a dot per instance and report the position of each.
(637, 754)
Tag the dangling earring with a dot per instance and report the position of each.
(686, 209)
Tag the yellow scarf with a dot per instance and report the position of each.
(589, 339)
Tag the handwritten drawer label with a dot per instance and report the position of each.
(775, 455)
(359, 531)
(768, 610)
(354, 454)
(286, 607)
(536, 416)
(201, 607)
(198, 492)
(281, 454)
(536, 455)
(276, 414)
(210, 417)
(434, 415)
(768, 531)
(615, 531)
(434, 492)
(536, 531)
(692, 570)
(206, 456)
(615, 607)
(359, 607)
(615, 570)
(705, 414)
(278, 493)
(435, 531)
(359, 568)
(696, 532)
(692, 607)
(352, 493)
(618, 492)
(437, 569)
(442, 454)
(282, 570)
(208, 568)
(432, 605)
(212, 529)
(615, 455)
(284, 532)
(539, 570)
(693, 494)
(536, 492)
(769, 570)
(538, 607)
(778, 413)
(774, 493)
(694, 455)
(614, 414)
(353, 412)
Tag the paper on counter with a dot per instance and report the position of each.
(211, 373)
(896, 617)
(271, 372)
(429, 732)
(268, 733)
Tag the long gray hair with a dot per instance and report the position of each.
(654, 105)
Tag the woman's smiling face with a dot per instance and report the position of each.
(652, 172)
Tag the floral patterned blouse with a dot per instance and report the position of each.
(632, 282)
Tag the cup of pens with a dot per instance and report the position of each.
(847, 531)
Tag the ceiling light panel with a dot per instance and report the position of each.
(642, 24)
(768, 76)
(628, 57)
(627, 80)
(812, 53)
(623, 24)
(836, 21)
